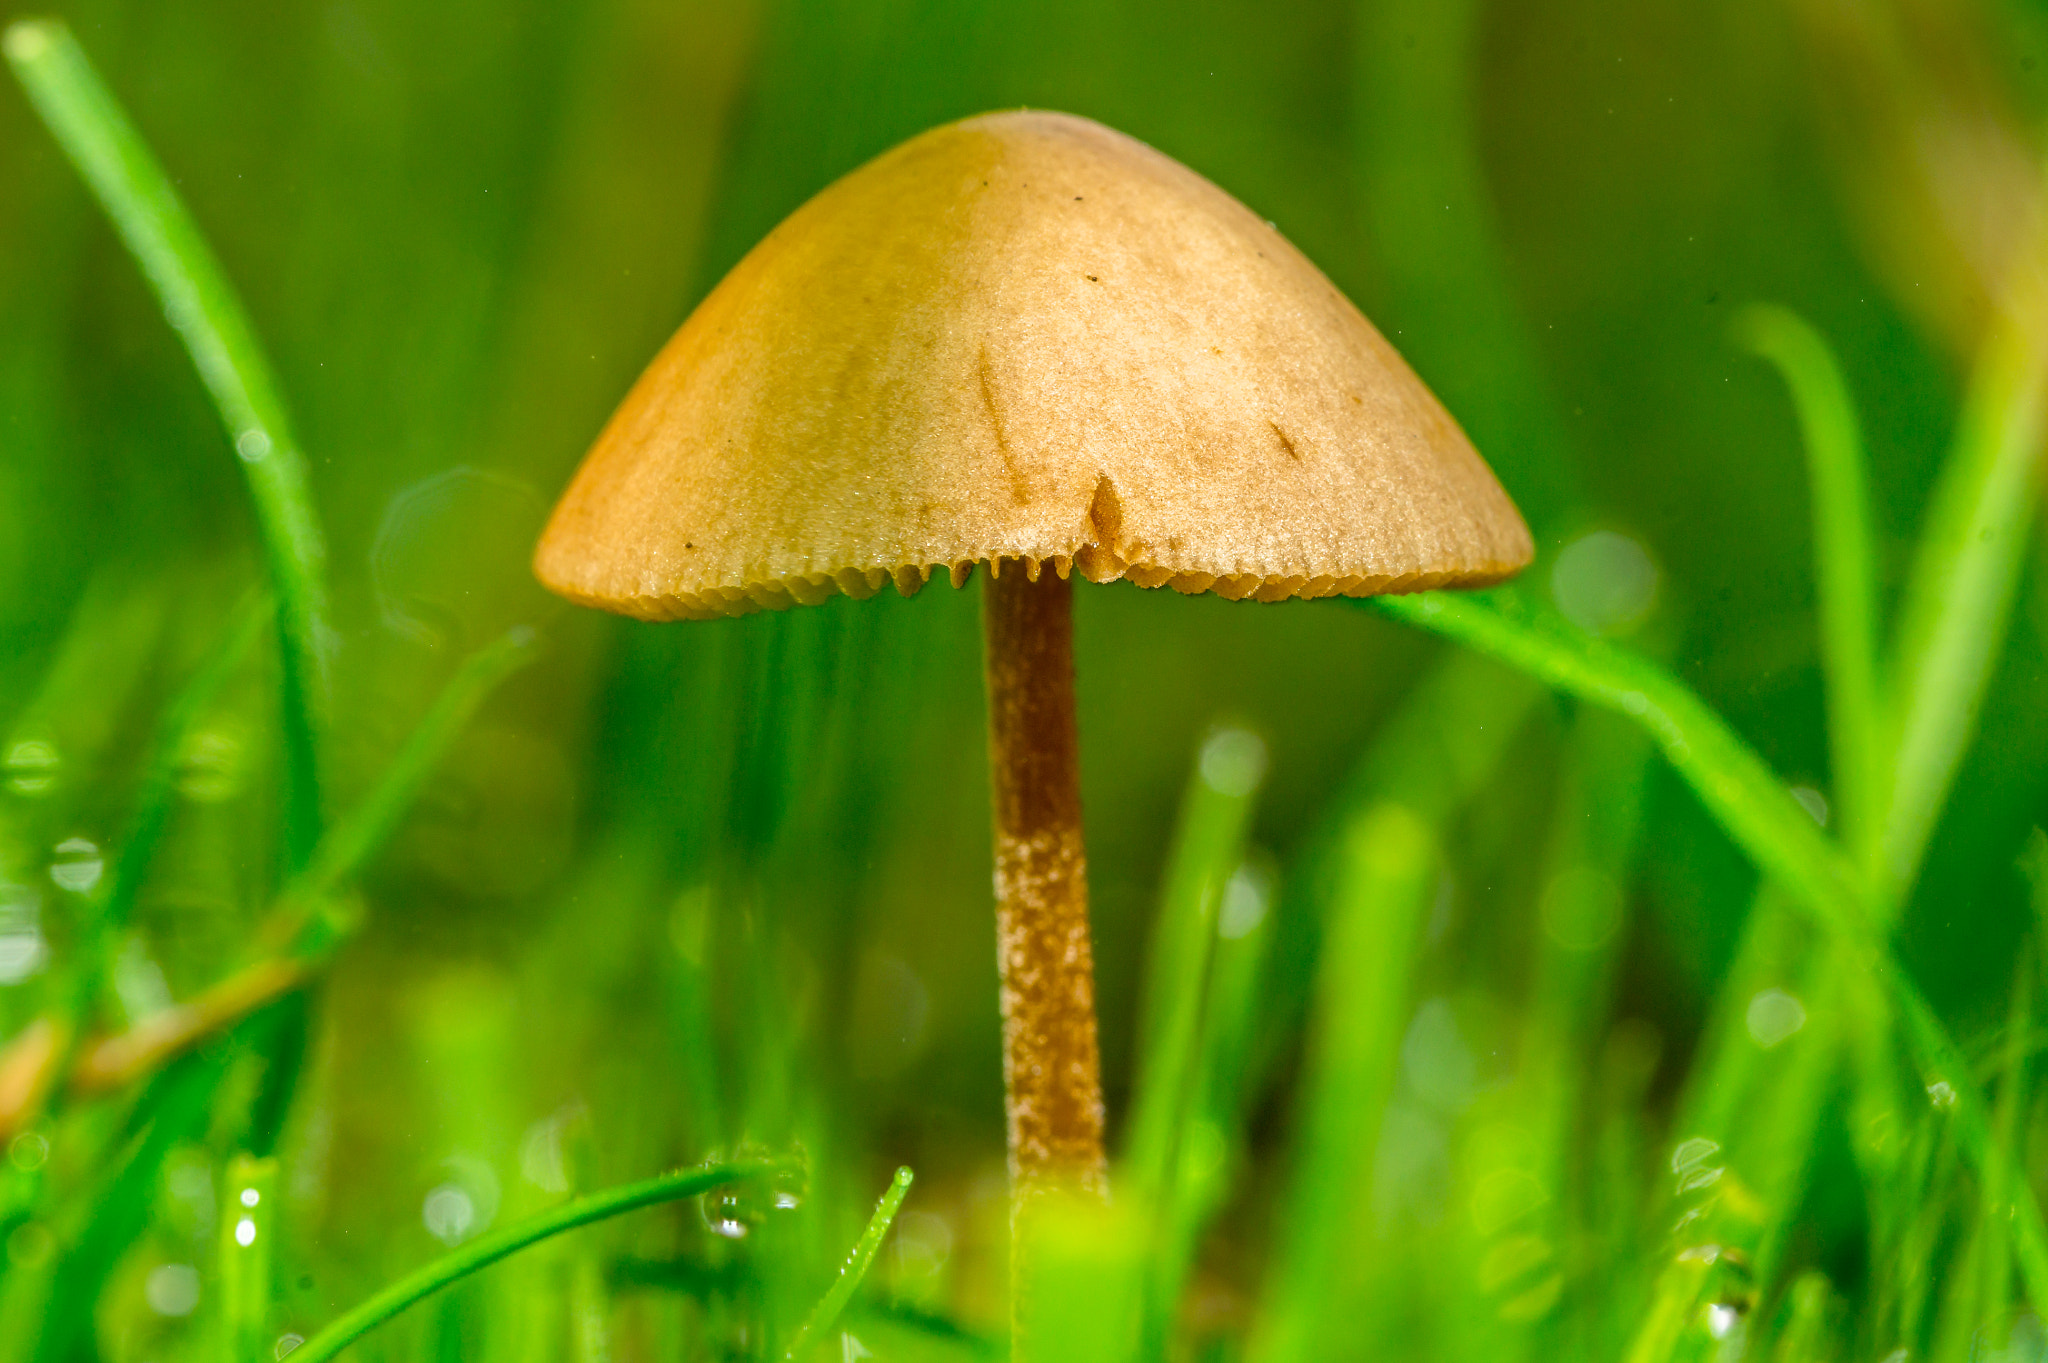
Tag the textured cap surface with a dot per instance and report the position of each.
(1024, 336)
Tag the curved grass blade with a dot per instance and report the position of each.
(1760, 815)
(209, 318)
(486, 1250)
(1743, 795)
(1845, 562)
(1959, 597)
(826, 1314)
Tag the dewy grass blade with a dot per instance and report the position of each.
(486, 1250)
(299, 930)
(826, 1314)
(1845, 561)
(1362, 988)
(116, 899)
(1757, 812)
(1957, 601)
(208, 317)
(247, 1235)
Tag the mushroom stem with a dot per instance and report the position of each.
(1051, 1073)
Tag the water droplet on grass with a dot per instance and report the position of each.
(448, 1213)
(28, 1150)
(1246, 899)
(22, 951)
(76, 865)
(1604, 583)
(31, 765)
(1234, 761)
(1773, 1016)
(1813, 802)
(172, 1289)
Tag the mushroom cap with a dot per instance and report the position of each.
(1028, 336)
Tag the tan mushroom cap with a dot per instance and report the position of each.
(1024, 336)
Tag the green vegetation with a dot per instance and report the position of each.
(1637, 962)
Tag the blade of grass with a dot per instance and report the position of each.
(1075, 1294)
(829, 1307)
(301, 928)
(1994, 1290)
(486, 1250)
(1212, 1146)
(1175, 1037)
(203, 309)
(1582, 913)
(1805, 1336)
(1756, 808)
(1845, 563)
(110, 906)
(1361, 1004)
(248, 1230)
(1959, 597)
(1761, 817)
(174, 1109)
(1207, 848)
(160, 768)
(1438, 750)
(353, 840)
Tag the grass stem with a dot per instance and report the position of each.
(826, 1314)
(209, 318)
(1845, 561)
(486, 1250)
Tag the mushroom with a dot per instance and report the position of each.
(1029, 341)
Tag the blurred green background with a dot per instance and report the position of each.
(678, 887)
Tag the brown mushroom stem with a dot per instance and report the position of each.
(1051, 1072)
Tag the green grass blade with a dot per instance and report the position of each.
(1361, 1008)
(153, 222)
(247, 1257)
(1995, 1289)
(302, 925)
(833, 1303)
(1438, 750)
(1759, 815)
(486, 1250)
(1178, 1034)
(174, 1109)
(1845, 560)
(1207, 848)
(1965, 576)
(112, 905)
(2034, 864)
(160, 768)
(355, 838)
(1742, 794)
(1075, 1285)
